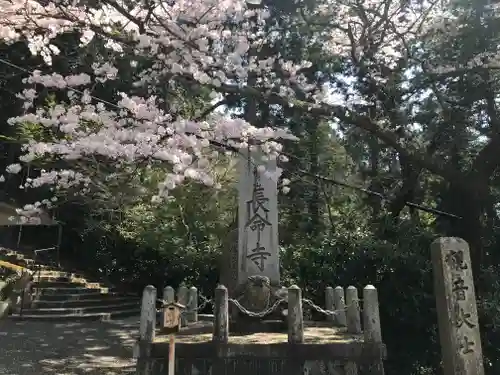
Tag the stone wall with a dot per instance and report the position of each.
(247, 366)
(341, 358)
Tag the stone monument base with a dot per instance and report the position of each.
(258, 295)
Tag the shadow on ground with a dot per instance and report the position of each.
(90, 348)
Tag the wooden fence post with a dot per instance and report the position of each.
(295, 316)
(182, 298)
(329, 303)
(353, 322)
(146, 331)
(456, 307)
(192, 307)
(371, 325)
(339, 299)
(221, 315)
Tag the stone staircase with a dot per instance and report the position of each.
(17, 258)
(57, 295)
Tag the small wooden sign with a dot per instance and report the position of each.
(172, 317)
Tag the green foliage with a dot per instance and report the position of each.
(401, 271)
(8, 280)
(329, 234)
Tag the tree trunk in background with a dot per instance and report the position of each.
(469, 206)
(375, 185)
(314, 201)
(229, 260)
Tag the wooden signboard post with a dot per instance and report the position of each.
(171, 324)
(456, 307)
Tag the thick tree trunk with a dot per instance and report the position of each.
(375, 185)
(469, 205)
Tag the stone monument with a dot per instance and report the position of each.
(257, 262)
(258, 247)
(456, 307)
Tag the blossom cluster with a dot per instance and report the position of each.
(214, 43)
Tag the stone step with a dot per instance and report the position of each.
(79, 317)
(57, 274)
(96, 294)
(19, 257)
(109, 307)
(60, 279)
(15, 257)
(12, 266)
(37, 267)
(15, 260)
(24, 262)
(68, 283)
(45, 304)
(68, 291)
(12, 255)
(57, 284)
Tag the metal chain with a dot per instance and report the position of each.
(254, 314)
(205, 302)
(268, 310)
(328, 312)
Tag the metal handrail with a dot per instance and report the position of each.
(46, 249)
(38, 270)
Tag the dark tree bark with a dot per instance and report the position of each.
(314, 201)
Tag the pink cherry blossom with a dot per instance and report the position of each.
(211, 42)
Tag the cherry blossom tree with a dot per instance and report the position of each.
(212, 44)
(136, 130)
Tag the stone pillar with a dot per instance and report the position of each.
(142, 349)
(168, 294)
(182, 298)
(329, 303)
(456, 307)
(371, 326)
(258, 252)
(221, 316)
(295, 316)
(339, 299)
(192, 306)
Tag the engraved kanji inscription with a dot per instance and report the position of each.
(258, 256)
(459, 288)
(257, 221)
(466, 345)
(257, 211)
(462, 317)
(455, 260)
(458, 317)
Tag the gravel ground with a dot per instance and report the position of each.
(46, 348)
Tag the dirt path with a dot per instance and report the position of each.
(90, 348)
